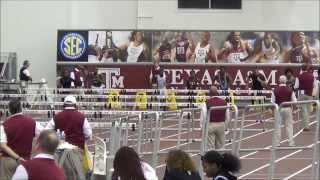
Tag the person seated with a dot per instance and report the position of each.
(127, 165)
(220, 167)
(179, 166)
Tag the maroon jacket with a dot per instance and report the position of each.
(71, 122)
(306, 82)
(282, 94)
(43, 169)
(218, 115)
(20, 131)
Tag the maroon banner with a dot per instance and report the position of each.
(137, 76)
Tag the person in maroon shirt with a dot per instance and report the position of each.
(16, 136)
(281, 94)
(77, 130)
(43, 165)
(216, 132)
(305, 84)
(155, 71)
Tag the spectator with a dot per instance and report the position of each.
(193, 82)
(180, 167)
(42, 166)
(16, 136)
(155, 71)
(24, 74)
(66, 80)
(216, 132)
(74, 125)
(222, 80)
(258, 82)
(220, 167)
(290, 78)
(128, 166)
(281, 94)
(305, 83)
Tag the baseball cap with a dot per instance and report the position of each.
(70, 100)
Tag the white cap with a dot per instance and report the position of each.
(70, 100)
(282, 79)
(43, 80)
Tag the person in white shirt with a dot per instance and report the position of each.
(43, 165)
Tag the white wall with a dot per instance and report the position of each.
(254, 15)
(30, 27)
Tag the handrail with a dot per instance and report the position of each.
(155, 91)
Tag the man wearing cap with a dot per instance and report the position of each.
(305, 83)
(216, 128)
(16, 136)
(282, 94)
(74, 126)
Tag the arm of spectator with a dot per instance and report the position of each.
(203, 115)
(38, 129)
(72, 76)
(273, 98)
(5, 148)
(20, 173)
(87, 130)
(50, 125)
(296, 84)
(27, 73)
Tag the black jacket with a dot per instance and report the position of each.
(224, 176)
(181, 175)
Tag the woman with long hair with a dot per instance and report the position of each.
(180, 167)
(301, 51)
(128, 166)
(220, 167)
(137, 50)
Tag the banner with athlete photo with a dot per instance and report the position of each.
(109, 46)
(236, 47)
(119, 46)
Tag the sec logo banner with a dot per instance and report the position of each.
(72, 45)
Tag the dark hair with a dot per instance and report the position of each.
(26, 63)
(180, 160)
(15, 106)
(48, 141)
(305, 67)
(127, 165)
(226, 162)
(133, 33)
(288, 70)
(293, 36)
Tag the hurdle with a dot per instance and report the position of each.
(315, 159)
